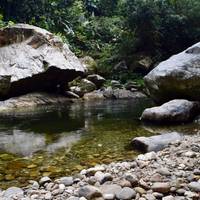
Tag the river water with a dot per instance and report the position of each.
(64, 140)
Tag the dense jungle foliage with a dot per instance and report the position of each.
(111, 31)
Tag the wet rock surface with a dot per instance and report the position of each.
(170, 174)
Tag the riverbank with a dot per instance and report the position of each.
(173, 173)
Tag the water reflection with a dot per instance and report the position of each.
(18, 142)
(49, 130)
(26, 144)
(63, 140)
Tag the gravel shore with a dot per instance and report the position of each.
(170, 174)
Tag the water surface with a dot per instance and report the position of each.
(62, 141)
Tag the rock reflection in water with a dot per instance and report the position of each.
(22, 143)
(25, 144)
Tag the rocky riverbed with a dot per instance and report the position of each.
(171, 174)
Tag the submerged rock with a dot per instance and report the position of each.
(33, 59)
(178, 77)
(174, 111)
(154, 143)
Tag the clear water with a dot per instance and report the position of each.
(62, 141)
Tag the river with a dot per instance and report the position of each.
(63, 140)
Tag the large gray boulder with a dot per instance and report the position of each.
(33, 59)
(175, 111)
(176, 78)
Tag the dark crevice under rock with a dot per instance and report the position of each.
(53, 80)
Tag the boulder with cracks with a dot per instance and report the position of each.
(33, 59)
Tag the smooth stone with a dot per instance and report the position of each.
(48, 196)
(126, 193)
(161, 187)
(13, 192)
(67, 181)
(110, 189)
(56, 192)
(148, 156)
(157, 195)
(150, 197)
(190, 154)
(194, 186)
(73, 198)
(93, 170)
(125, 183)
(109, 196)
(35, 185)
(191, 194)
(196, 172)
(180, 191)
(89, 192)
(103, 177)
(164, 171)
(131, 178)
(170, 197)
(44, 180)
(140, 190)
(96, 79)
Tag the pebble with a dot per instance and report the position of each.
(161, 187)
(170, 197)
(89, 192)
(126, 193)
(44, 180)
(109, 196)
(140, 190)
(132, 179)
(67, 181)
(148, 156)
(194, 186)
(110, 189)
(13, 192)
(103, 177)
